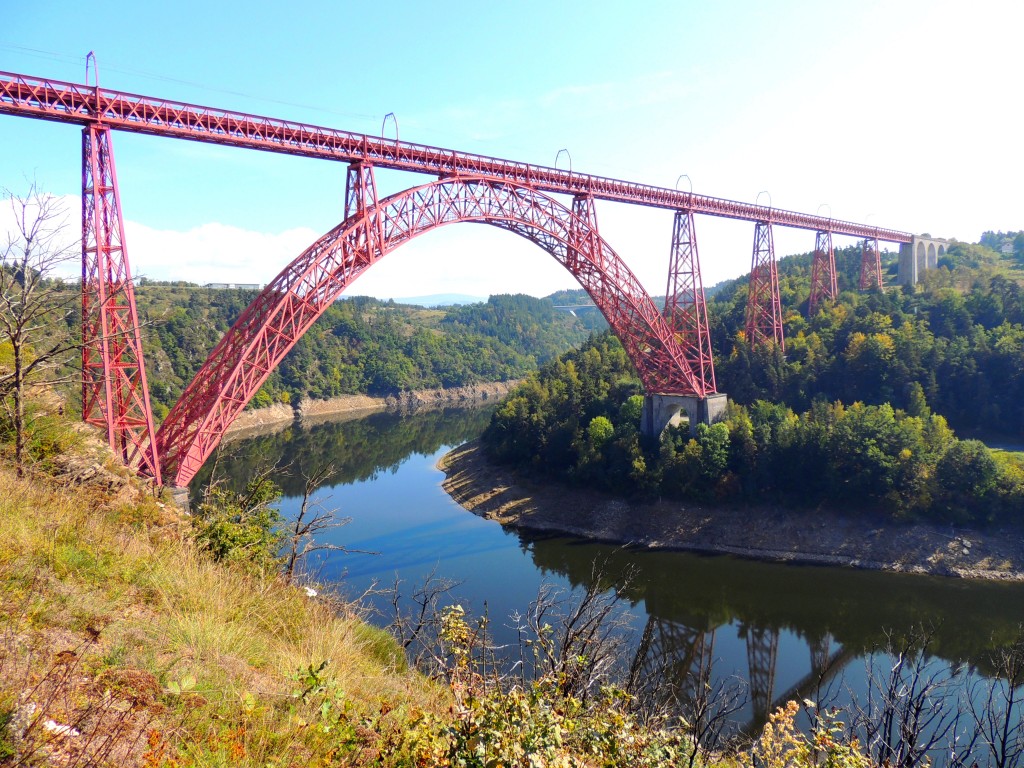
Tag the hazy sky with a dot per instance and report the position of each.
(901, 114)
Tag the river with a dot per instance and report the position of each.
(773, 629)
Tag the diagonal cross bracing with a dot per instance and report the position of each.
(114, 391)
(685, 308)
(290, 304)
(870, 265)
(823, 273)
(764, 308)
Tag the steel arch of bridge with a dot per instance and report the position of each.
(288, 306)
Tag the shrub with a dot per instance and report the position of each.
(241, 527)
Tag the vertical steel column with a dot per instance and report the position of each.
(823, 273)
(764, 309)
(870, 265)
(685, 308)
(360, 198)
(115, 395)
(583, 235)
(585, 251)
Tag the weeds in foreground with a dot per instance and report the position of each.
(783, 745)
(115, 624)
(55, 713)
(123, 642)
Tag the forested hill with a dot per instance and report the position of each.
(854, 413)
(360, 345)
(959, 335)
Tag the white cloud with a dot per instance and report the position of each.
(474, 260)
(213, 252)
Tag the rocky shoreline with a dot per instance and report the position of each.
(279, 416)
(818, 537)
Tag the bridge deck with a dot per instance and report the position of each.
(27, 96)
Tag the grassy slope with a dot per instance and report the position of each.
(122, 644)
(102, 592)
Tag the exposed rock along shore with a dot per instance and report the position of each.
(280, 415)
(818, 537)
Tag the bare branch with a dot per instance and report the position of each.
(314, 518)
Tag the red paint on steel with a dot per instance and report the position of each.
(764, 310)
(115, 395)
(72, 102)
(870, 265)
(823, 273)
(289, 305)
(685, 308)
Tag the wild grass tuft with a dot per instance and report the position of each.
(119, 591)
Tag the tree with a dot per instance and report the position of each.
(599, 432)
(34, 307)
(968, 475)
(313, 517)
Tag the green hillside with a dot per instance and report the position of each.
(360, 345)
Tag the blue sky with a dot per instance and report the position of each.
(901, 114)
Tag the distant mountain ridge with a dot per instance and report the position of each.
(441, 300)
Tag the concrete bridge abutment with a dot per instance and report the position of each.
(920, 255)
(662, 411)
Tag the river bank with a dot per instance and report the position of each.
(279, 416)
(818, 537)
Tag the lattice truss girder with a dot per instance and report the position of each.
(870, 265)
(823, 273)
(685, 308)
(293, 301)
(115, 395)
(79, 103)
(764, 309)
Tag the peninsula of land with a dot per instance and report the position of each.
(810, 536)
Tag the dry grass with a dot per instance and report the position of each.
(114, 624)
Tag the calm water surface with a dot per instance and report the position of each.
(774, 627)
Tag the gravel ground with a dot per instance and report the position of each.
(819, 536)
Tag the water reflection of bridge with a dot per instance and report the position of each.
(674, 663)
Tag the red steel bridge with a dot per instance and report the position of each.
(670, 347)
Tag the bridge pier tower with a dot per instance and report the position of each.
(824, 287)
(661, 411)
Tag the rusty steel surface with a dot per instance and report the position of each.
(28, 96)
(115, 396)
(289, 305)
(764, 309)
(685, 308)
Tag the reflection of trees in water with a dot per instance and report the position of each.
(359, 449)
(859, 610)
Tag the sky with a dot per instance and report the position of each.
(900, 114)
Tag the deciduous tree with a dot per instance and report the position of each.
(35, 336)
